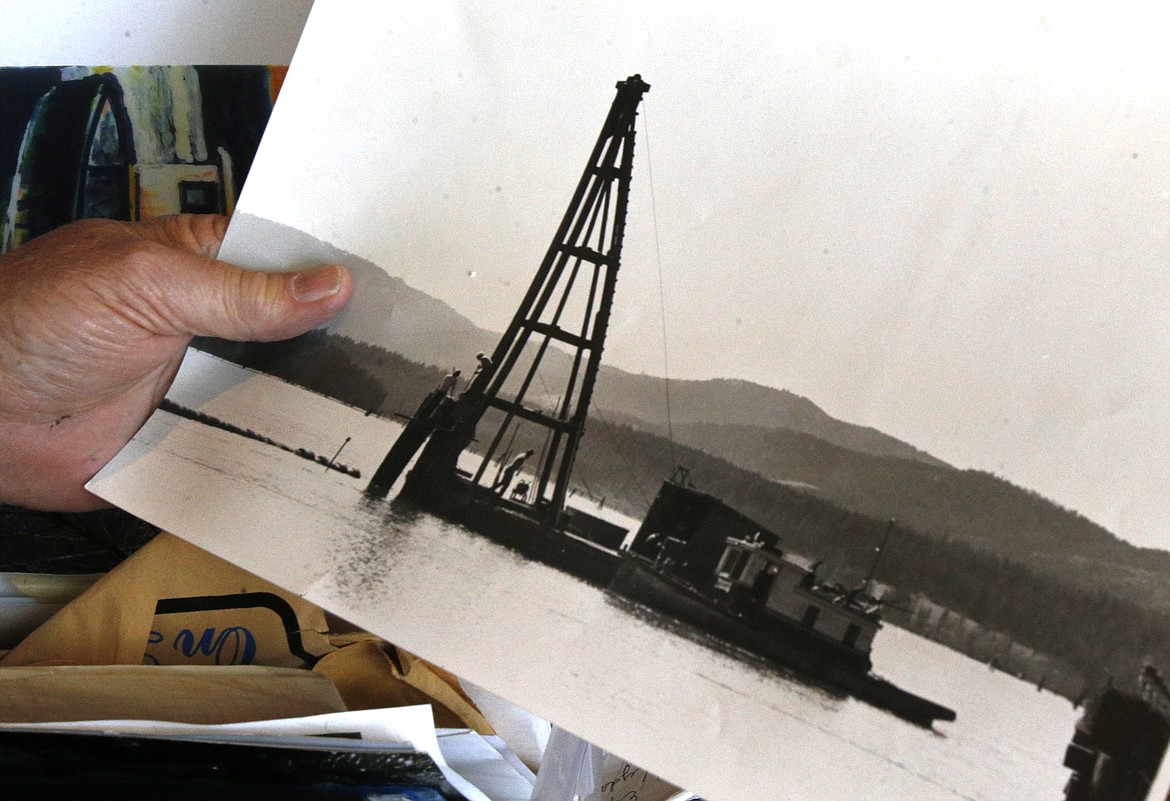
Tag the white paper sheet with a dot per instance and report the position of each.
(61, 33)
(945, 224)
(410, 726)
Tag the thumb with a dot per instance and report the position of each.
(205, 297)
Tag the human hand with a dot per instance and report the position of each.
(94, 320)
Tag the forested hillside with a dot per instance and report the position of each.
(1096, 630)
(968, 505)
(642, 399)
(1095, 617)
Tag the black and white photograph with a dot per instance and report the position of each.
(773, 396)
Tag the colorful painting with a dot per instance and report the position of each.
(126, 143)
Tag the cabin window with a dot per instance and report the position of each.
(198, 197)
(732, 564)
(851, 635)
(810, 616)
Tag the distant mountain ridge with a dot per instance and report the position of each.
(738, 402)
(1013, 562)
(970, 505)
(774, 433)
(389, 313)
(385, 310)
(969, 539)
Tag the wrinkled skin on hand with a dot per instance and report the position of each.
(94, 320)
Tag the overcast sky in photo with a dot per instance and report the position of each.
(950, 225)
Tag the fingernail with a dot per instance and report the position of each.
(313, 285)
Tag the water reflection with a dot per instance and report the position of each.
(1007, 743)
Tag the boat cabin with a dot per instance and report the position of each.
(752, 573)
(732, 560)
(845, 616)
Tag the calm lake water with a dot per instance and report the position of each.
(1007, 743)
(563, 649)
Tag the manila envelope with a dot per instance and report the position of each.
(172, 603)
(195, 694)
